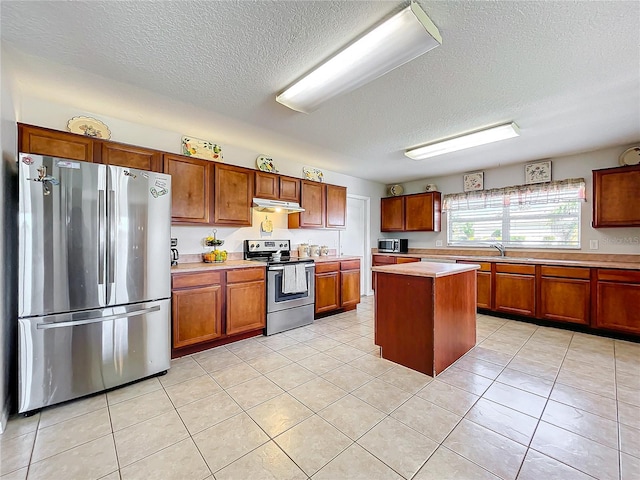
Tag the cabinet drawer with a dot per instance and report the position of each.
(186, 280)
(350, 265)
(407, 259)
(484, 266)
(324, 267)
(628, 276)
(245, 275)
(515, 268)
(565, 272)
(383, 260)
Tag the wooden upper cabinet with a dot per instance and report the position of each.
(313, 200)
(392, 214)
(615, 197)
(122, 155)
(267, 185)
(290, 189)
(233, 187)
(191, 183)
(43, 141)
(422, 212)
(336, 207)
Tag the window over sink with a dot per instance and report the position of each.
(530, 216)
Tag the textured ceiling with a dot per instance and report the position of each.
(568, 73)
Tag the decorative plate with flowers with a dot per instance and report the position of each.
(196, 147)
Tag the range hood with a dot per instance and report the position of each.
(277, 206)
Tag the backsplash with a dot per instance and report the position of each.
(190, 238)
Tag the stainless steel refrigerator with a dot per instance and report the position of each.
(94, 278)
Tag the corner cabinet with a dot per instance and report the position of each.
(191, 189)
(420, 212)
(325, 206)
(233, 187)
(615, 197)
(617, 297)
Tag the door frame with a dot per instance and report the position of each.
(365, 267)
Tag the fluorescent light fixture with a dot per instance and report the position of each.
(469, 140)
(403, 37)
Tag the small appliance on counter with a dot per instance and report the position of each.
(174, 252)
(393, 245)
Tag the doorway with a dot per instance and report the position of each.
(356, 239)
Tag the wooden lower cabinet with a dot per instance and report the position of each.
(246, 300)
(378, 260)
(515, 294)
(337, 285)
(617, 302)
(213, 308)
(565, 294)
(483, 299)
(327, 280)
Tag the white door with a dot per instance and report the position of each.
(355, 239)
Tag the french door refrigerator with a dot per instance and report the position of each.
(94, 278)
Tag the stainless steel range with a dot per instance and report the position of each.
(290, 284)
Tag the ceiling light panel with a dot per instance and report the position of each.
(403, 37)
(481, 137)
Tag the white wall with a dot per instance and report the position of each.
(46, 113)
(8, 240)
(610, 240)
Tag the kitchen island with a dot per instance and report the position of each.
(425, 313)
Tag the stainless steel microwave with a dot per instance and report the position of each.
(393, 245)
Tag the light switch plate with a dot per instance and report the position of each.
(438, 243)
(593, 244)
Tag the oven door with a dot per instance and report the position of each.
(276, 300)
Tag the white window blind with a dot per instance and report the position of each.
(545, 215)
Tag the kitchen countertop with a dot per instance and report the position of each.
(426, 269)
(334, 258)
(527, 260)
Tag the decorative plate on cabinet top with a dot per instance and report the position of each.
(630, 157)
(196, 147)
(396, 190)
(313, 174)
(89, 127)
(266, 164)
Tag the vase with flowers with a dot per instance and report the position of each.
(215, 255)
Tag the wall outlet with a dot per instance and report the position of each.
(593, 244)
(438, 243)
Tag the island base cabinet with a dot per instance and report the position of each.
(420, 325)
(197, 315)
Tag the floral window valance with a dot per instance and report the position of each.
(551, 192)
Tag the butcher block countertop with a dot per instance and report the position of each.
(426, 269)
(203, 267)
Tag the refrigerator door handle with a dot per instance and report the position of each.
(111, 248)
(46, 326)
(101, 235)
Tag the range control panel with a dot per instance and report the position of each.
(266, 245)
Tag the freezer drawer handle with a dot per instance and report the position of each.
(46, 326)
(274, 269)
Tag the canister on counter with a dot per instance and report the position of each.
(314, 250)
(324, 250)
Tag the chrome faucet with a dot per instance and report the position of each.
(500, 248)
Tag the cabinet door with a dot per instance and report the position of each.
(197, 315)
(484, 290)
(565, 299)
(233, 195)
(327, 292)
(349, 287)
(289, 189)
(129, 156)
(615, 197)
(42, 141)
(336, 207)
(191, 182)
(267, 186)
(392, 214)
(617, 307)
(246, 307)
(515, 294)
(422, 212)
(312, 199)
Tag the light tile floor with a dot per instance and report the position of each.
(527, 402)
